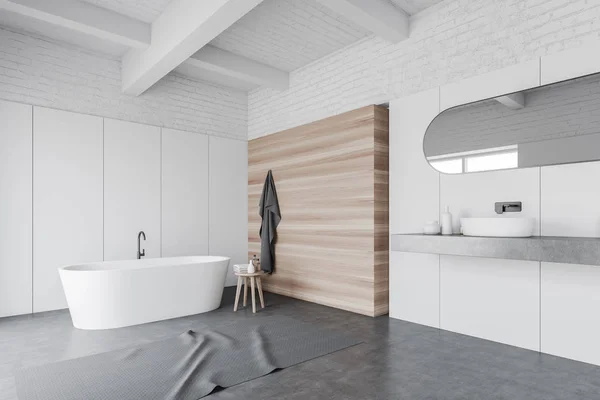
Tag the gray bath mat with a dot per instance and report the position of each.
(186, 367)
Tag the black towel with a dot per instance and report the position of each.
(271, 216)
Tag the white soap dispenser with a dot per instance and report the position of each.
(446, 222)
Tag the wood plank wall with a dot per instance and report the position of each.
(332, 183)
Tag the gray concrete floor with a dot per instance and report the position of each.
(398, 360)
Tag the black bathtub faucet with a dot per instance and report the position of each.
(142, 253)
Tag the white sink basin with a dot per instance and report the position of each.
(498, 227)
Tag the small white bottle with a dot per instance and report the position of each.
(252, 265)
(446, 222)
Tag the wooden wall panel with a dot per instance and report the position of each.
(332, 183)
(382, 287)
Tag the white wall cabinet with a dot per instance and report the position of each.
(415, 288)
(492, 299)
(228, 191)
(570, 303)
(414, 278)
(132, 192)
(78, 189)
(15, 209)
(184, 193)
(570, 200)
(67, 205)
(501, 300)
(414, 196)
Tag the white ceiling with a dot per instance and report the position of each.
(414, 6)
(143, 10)
(19, 22)
(284, 34)
(289, 34)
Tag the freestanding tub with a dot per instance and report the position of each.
(114, 294)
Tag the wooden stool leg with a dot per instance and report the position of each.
(252, 279)
(237, 293)
(260, 292)
(245, 291)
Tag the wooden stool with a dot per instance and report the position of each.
(254, 281)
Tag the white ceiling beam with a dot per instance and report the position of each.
(377, 16)
(514, 101)
(85, 18)
(407, 5)
(213, 59)
(180, 31)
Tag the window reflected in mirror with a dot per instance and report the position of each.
(477, 161)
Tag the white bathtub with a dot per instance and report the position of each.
(114, 294)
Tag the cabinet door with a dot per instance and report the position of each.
(569, 304)
(414, 186)
(492, 299)
(228, 179)
(415, 288)
(184, 193)
(15, 209)
(67, 188)
(131, 189)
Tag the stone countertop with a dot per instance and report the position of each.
(568, 250)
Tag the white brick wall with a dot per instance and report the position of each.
(40, 72)
(450, 41)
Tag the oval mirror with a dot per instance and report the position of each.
(546, 125)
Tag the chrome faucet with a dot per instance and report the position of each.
(512, 206)
(142, 253)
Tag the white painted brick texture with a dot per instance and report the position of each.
(451, 41)
(41, 72)
(296, 33)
